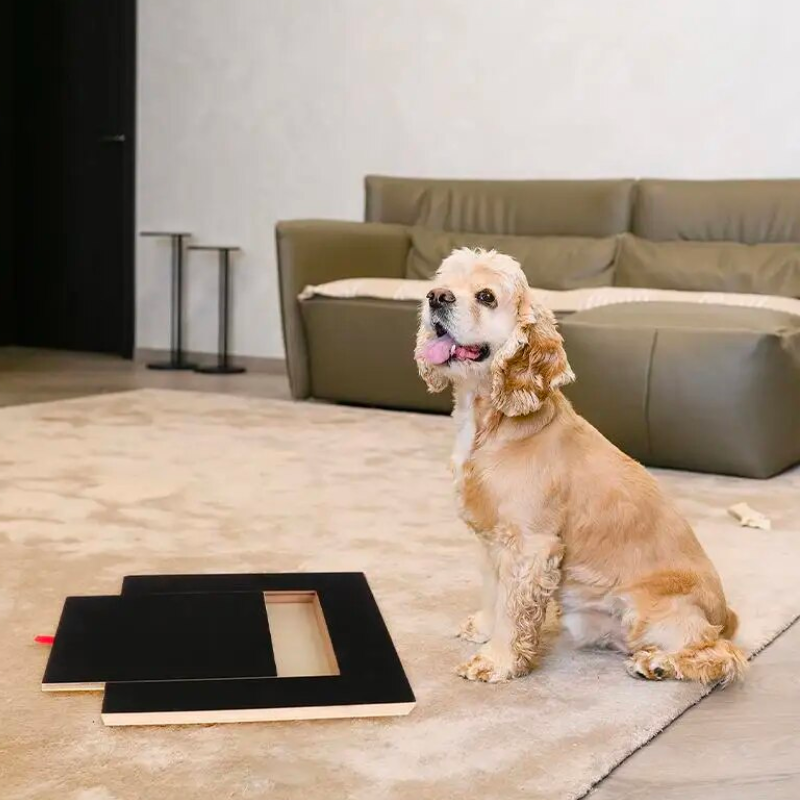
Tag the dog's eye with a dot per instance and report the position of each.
(486, 297)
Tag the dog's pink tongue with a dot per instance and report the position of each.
(438, 351)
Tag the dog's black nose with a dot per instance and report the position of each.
(440, 297)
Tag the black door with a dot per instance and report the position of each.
(74, 174)
(7, 187)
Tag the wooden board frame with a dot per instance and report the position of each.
(371, 680)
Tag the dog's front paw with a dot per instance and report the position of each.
(474, 629)
(488, 666)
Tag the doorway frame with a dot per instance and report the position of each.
(130, 93)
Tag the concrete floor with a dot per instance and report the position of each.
(36, 376)
(739, 744)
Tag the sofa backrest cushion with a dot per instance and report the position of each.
(709, 266)
(747, 211)
(549, 262)
(518, 208)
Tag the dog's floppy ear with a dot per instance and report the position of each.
(531, 364)
(435, 381)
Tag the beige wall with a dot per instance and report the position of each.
(255, 110)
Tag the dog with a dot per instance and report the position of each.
(559, 511)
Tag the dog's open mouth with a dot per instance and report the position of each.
(445, 349)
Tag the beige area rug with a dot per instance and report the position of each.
(154, 481)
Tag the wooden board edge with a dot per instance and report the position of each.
(220, 716)
(73, 687)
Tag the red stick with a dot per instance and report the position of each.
(41, 639)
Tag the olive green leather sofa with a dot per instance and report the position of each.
(678, 302)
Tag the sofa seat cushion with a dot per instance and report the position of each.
(561, 302)
(709, 266)
(713, 389)
(551, 262)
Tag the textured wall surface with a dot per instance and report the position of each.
(252, 111)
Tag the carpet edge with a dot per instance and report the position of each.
(773, 637)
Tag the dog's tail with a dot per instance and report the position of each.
(711, 662)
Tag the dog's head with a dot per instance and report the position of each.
(480, 323)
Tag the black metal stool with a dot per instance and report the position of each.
(223, 365)
(176, 315)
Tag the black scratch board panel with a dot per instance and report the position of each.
(165, 637)
(372, 676)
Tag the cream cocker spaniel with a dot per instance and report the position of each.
(560, 511)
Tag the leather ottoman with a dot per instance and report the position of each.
(698, 387)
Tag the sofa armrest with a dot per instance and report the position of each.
(317, 251)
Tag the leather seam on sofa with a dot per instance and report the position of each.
(648, 378)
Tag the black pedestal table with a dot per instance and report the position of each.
(223, 365)
(176, 359)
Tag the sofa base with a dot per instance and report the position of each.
(704, 388)
(362, 352)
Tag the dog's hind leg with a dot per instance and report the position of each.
(718, 660)
(677, 641)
